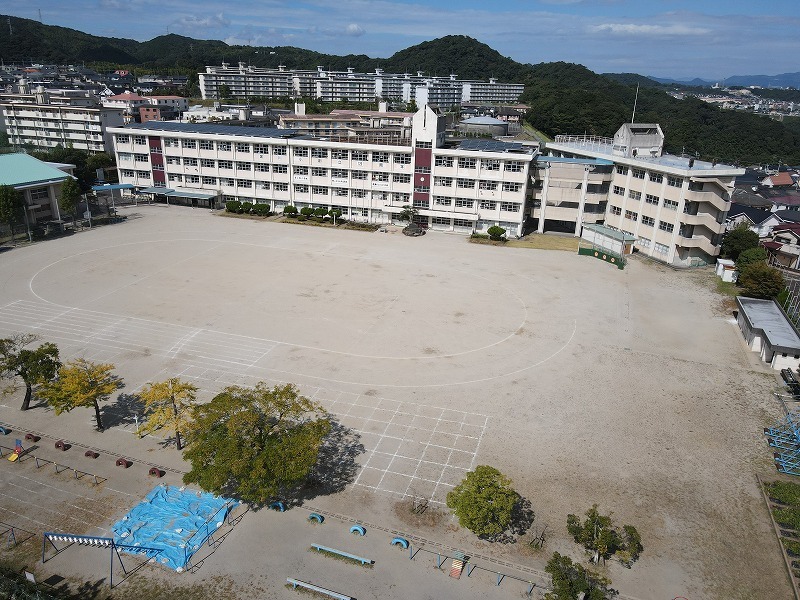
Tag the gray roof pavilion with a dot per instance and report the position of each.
(767, 317)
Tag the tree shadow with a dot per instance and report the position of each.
(522, 518)
(122, 411)
(336, 465)
(90, 590)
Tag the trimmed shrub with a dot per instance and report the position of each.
(233, 206)
(496, 233)
(289, 210)
(321, 211)
(262, 210)
(307, 211)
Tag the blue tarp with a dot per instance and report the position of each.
(173, 521)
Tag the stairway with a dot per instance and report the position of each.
(458, 564)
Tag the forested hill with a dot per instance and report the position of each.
(564, 97)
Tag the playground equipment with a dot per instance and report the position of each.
(29, 437)
(316, 517)
(14, 535)
(4, 430)
(123, 462)
(295, 583)
(278, 505)
(91, 454)
(14, 456)
(361, 559)
(785, 438)
(62, 445)
(358, 529)
(402, 542)
(155, 472)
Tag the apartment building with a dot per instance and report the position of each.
(675, 206)
(463, 187)
(333, 86)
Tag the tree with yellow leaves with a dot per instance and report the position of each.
(168, 404)
(81, 383)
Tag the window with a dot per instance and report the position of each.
(442, 201)
(206, 145)
(656, 177)
(123, 139)
(340, 154)
(260, 148)
(301, 170)
(401, 178)
(423, 189)
(360, 174)
(622, 170)
(671, 204)
(319, 190)
(461, 203)
(651, 199)
(634, 195)
(261, 167)
(380, 176)
(668, 227)
(209, 181)
(300, 188)
(123, 156)
(244, 166)
(244, 183)
(140, 140)
(511, 187)
(440, 220)
(360, 155)
(192, 179)
(171, 160)
(226, 181)
(443, 161)
(317, 172)
(300, 151)
(358, 193)
(674, 181)
(127, 173)
(380, 157)
(638, 173)
(513, 166)
(208, 163)
(242, 147)
(224, 146)
(487, 185)
(661, 248)
(490, 165)
(423, 170)
(445, 181)
(466, 163)
(400, 198)
(279, 151)
(175, 177)
(319, 153)
(424, 144)
(146, 175)
(281, 187)
(644, 242)
(171, 142)
(488, 205)
(615, 210)
(402, 159)
(619, 191)
(340, 192)
(510, 206)
(462, 223)
(280, 169)
(649, 221)
(191, 144)
(141, 157)
(629, 214)
(339, 173)
(465, 183)
(225, 164)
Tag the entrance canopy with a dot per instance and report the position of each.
(191, 194)
(155, 190)
(112, 186)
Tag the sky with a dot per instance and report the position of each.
(711, 39)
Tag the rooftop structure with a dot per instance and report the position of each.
(769, 332)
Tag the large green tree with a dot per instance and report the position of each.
(484, 501)
(168, 404)
(738, 240)
(571, 581)
(750, 256)
(12, 207)
(79, 384)
(759, 280)
(69, 197)
(255, 443)
(32, 366)
(597, 534)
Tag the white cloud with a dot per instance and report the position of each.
(634, 29)
(354, 30)
(211, 21)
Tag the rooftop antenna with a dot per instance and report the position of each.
(40, 16)
(633, 116)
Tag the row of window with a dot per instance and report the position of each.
(485, 164)
(649, 221)
(508, 186)
(648, 198)
(654, 177)
(464, 203)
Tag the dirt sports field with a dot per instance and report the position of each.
(585, 384)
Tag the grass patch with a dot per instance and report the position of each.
(539, 241)
(336, 556)
(784, 492)
(726, 288)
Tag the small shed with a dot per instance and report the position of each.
(726, 270)
(768, 331)
(611, 240)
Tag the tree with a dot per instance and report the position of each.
(738, 240)
(484, 501)
(599, 537)
(81, 383)
(335, 213)
(571, 581)
(496, 233)
(306, 211)
(34, 367)
(320, 212)
(224, 91)
(408, 213)
(168, 404)
(759, 280)
(750, 256)
(255, 443)
(289, 210)
(70, 195)
(12, 207)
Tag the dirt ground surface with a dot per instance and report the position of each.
(585, 384)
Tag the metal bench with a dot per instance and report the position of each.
(361, 559)
(295, 583)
